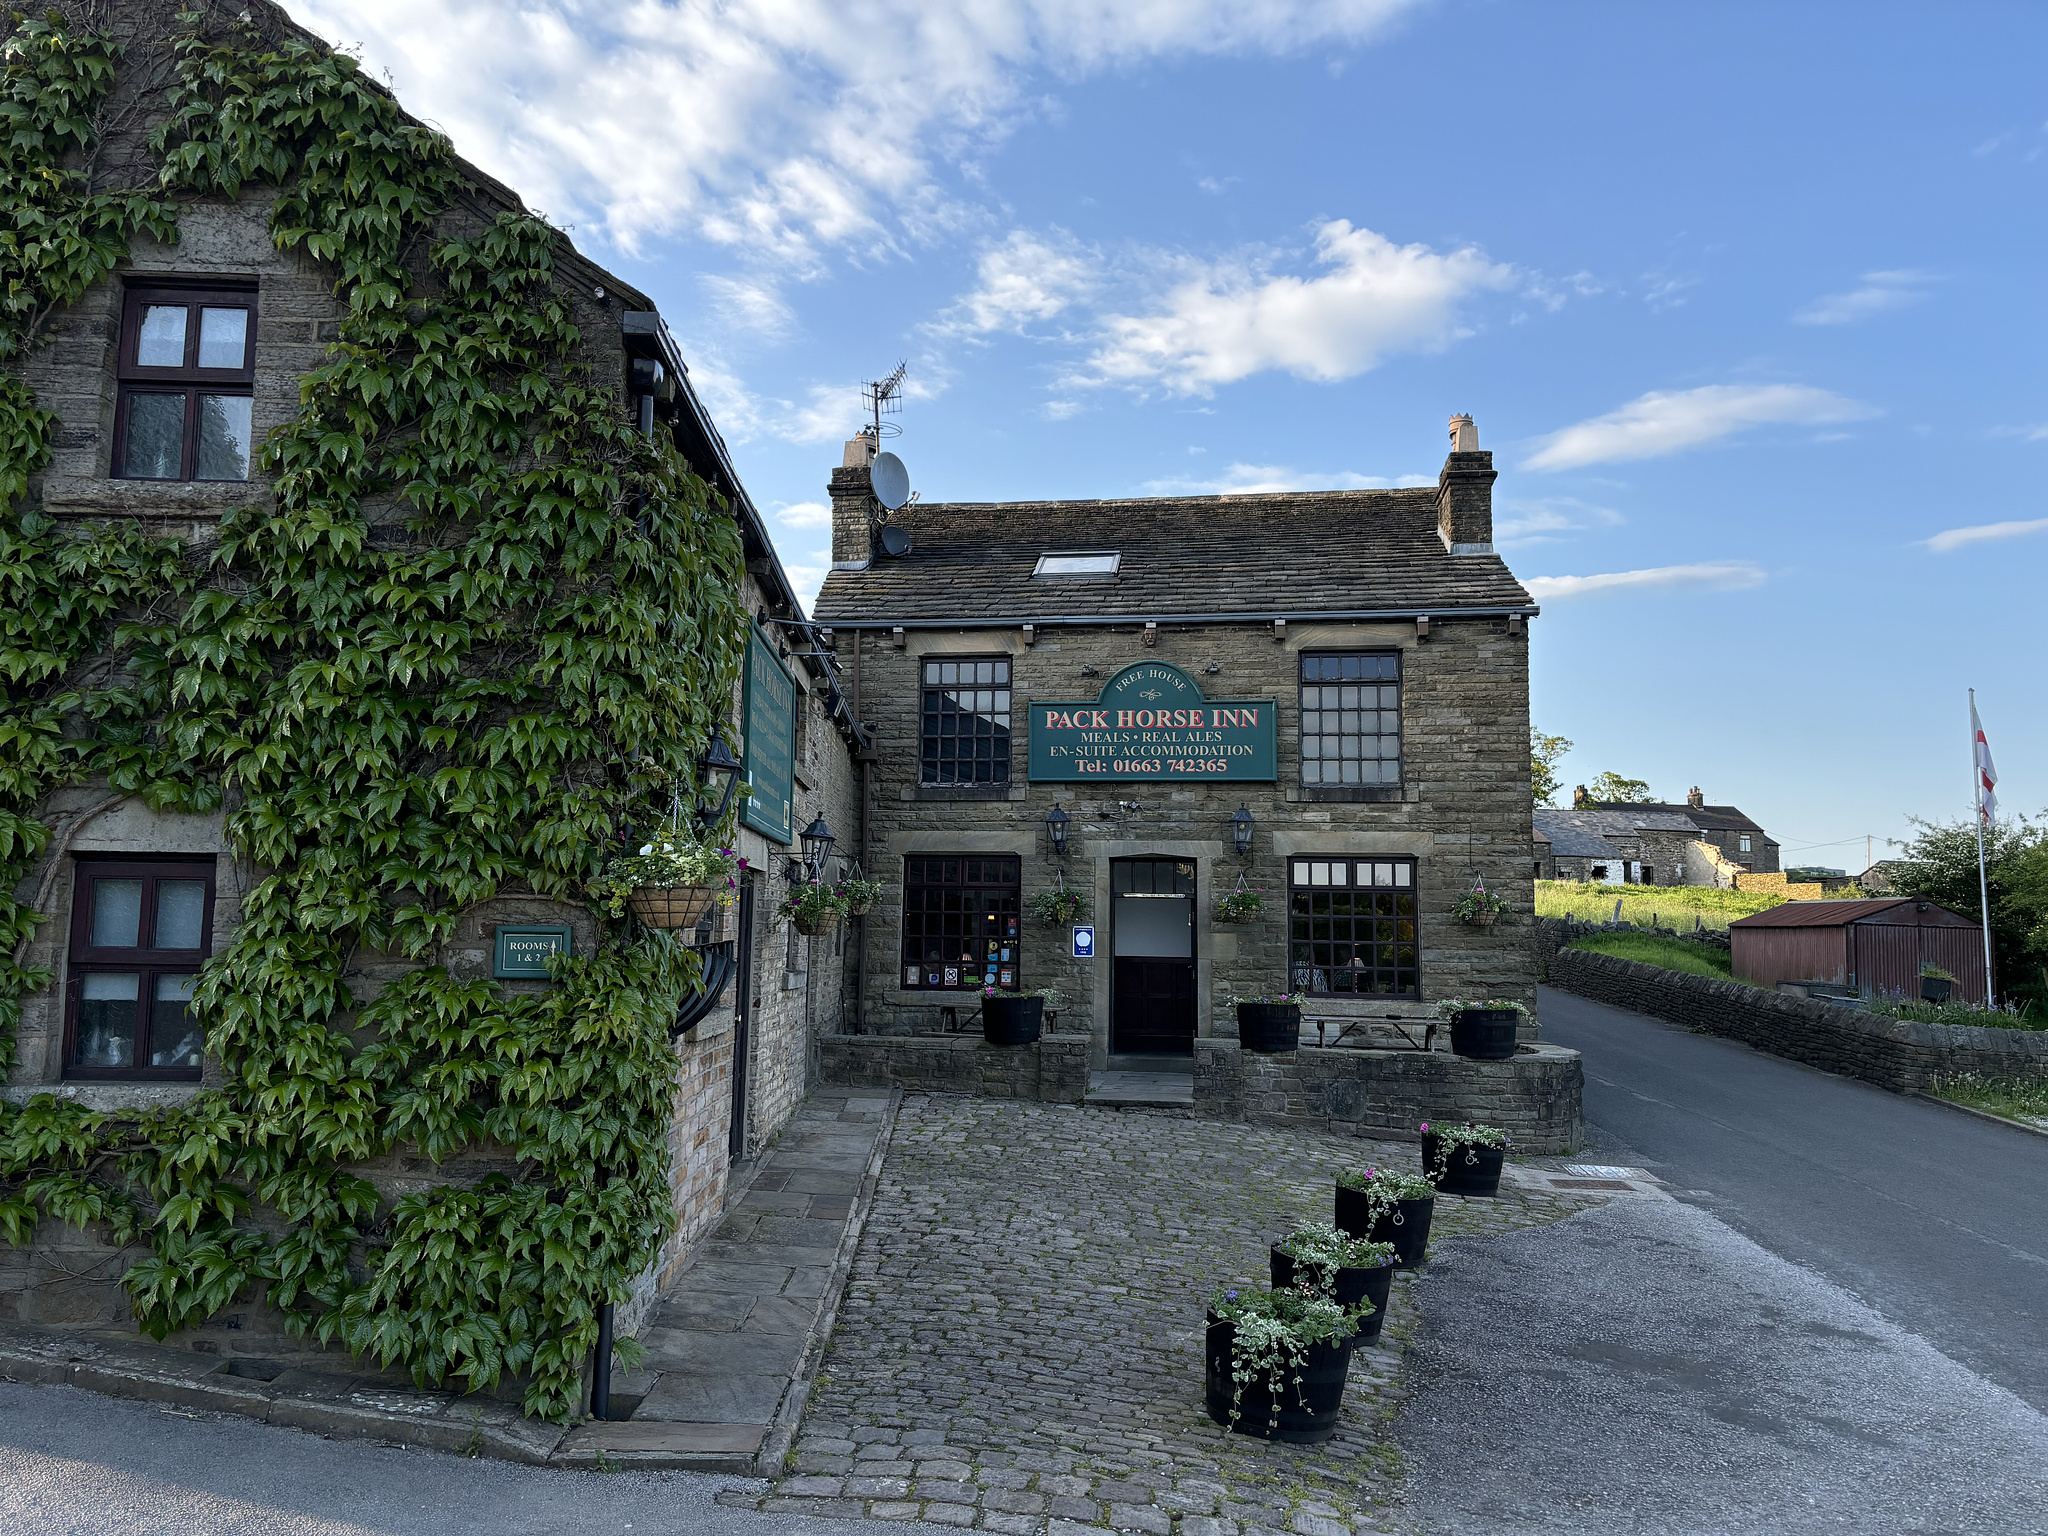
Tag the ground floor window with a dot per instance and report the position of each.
(139, 932)
(1351, 927)
(961, 917)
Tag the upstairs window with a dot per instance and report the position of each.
(1351, 721)
(139, 932)
(966, 735)
(187, 380)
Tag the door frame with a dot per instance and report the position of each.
(1193, 899)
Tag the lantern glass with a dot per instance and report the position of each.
(1241, 826)
(1056, 830)
(817, 842)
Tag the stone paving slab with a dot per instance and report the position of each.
(1019, 1346)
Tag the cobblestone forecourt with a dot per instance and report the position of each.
(1020, 1344)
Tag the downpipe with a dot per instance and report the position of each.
(601, 1368)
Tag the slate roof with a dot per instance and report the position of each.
(1572, 842)
(1261, 556)
(1609, 823)
(1708, 818)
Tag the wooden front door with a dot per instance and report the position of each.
(1152, 985)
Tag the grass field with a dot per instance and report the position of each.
(1673, 906)
(2015, 1098)
(1671, 954)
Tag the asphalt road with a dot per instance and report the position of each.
(1936, 1221)
(76, 1464)
(1871, 1363)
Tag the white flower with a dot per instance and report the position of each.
(646, 850)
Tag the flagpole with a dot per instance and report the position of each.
(1983, 885)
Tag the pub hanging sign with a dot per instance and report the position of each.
(1152, 722)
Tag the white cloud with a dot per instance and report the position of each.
(1543, 521)
(807, 575)
(2033, 434)
(1956, 538)
(1666, 421)
(1255, 479)
(1232, 320)
(805, 514)
(1023, 278)
(1880, 291)
(749, 306)
(1725, 575)
(789, 127)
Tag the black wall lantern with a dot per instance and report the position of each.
(817, 842)
(718, 766)
(1241, 829)
(1056, 830)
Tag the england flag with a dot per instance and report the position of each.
(1987, 776)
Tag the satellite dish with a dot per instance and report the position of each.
(893, 542)
(890, 480)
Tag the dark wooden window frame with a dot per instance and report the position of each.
(150, 963)
(932, 709)
(1348, 793)
(191, 381)
(1308, 926)
(992, 883)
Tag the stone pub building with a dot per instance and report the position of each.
(1320, 696)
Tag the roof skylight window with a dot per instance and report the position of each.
(1078, 564)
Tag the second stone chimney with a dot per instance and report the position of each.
(852, 492)
(1695, 799)
(1579, 800)
(1464, 493)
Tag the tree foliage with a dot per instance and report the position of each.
(1545, 753)
(1613, 789)
(395, 730)
(1939, 862)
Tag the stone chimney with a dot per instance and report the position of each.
(1464, 493)
(852, 493)
(1579, 800)
(1695, 799)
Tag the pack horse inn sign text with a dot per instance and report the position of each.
(1152, 722)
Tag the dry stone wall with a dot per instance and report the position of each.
(1051, 1070)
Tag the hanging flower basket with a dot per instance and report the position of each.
(675, 906)
(812, 910)
(1479, 908)
(1242, 905)
(858, 896)
(1061, 906)
(671, 882)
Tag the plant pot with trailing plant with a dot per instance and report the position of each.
(1464, 1159)
(1321, 1260)
(1269, 1023)
(1387, 1205)
(1485, 1031)
(1276, 1362)
(1936, 985)
(1060, 906)
(812, 910)
(671, 883)
(858, 896)
(1013, 1018)
(1243, 905)
(1479, 907)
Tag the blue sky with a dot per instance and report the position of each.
(1746, 299)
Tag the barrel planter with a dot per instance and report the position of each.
(1486, 1034)
(1307, 1411)
(1467, 1170)
(1352, 1287)
(1406, 1226)
(674, 906)
(1011, 1020)
(1269, 1026)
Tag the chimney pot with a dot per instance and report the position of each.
(1464, 435)
(1464, 493)
(1694, 798)
(1579, 800)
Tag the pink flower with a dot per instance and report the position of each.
(1425, 1127)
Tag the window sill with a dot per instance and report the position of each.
(88, 496)
(963, 791)
(103, 1097)
(1346, 795)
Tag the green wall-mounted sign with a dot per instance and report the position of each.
(768, 717)
(522, 953)
(1151, 721)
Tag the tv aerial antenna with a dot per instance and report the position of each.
(888, 477)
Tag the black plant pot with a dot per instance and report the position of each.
(1935, 989)
(1306, 1413)
(1466, 1170)
(1269, 1026)
(1011, 1020)
(1406, 1226)
(1487, 1034)
(1352, 1287)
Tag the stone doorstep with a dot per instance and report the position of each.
(635, 1443)
(1557, 1181)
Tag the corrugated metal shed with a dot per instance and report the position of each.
(1875, 946)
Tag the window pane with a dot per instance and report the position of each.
(155, 449)
(106, 1020)
(224, 431)
(162, 342)
(116, 914)
(180, 913)
(174, 1036)
(223, 338)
